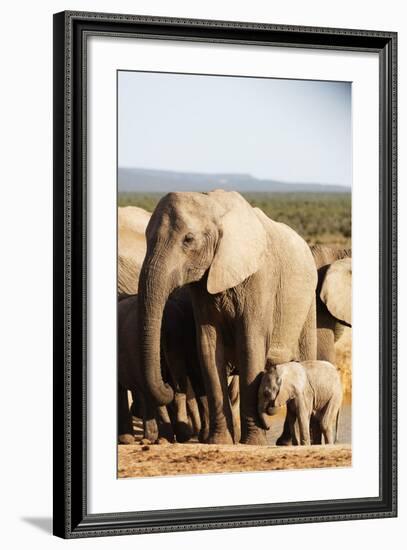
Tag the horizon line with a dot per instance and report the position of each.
(286, 182)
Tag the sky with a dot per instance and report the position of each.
(286, 130)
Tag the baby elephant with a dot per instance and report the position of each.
(312, 391)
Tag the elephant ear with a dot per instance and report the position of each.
(336, 290)
(284, 394)
(242, 244)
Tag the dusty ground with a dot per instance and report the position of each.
(193, 458)
(167, 460)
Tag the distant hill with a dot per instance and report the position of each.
(138, 180)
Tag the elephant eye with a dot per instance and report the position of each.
(189, 238)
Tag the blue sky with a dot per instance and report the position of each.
(287, 130)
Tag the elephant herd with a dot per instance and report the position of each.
(223, 316)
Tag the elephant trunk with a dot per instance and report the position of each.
(153, 295)
(265, 410)
(261, 411)
(264, 420)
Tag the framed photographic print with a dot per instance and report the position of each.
(224, 274)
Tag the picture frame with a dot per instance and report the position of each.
(71, 516)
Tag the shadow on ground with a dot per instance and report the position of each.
(44, 524)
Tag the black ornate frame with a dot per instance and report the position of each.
(71, 518)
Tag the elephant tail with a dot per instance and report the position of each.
(233, 390)
(337, 425)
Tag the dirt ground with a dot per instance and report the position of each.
(172, 459)
(139, 460)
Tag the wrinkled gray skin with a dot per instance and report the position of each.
(252, 283)
(333, 303)
(312, 391)
(334, 297)
(180, 365)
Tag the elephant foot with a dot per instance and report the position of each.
(163, 441)
(166, 432)
(151, 430)
(203, 435)
(183, 432)
(126, 439)
(223, 438)
(284, 441)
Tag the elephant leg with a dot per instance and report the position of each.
(233, 390)
(252, 361)
(204, 412)
(196, 390)
(325, 334)
(136, 409)
(149, 418)
(215, 379)
(124, 419)
(329, 420)
(193, 414)
(164, 425)
(175, 365)
(293, 426)
(303, 423)
(316, 434)
(285, 438)
(308, 336)
(183, 430)
(329, 434)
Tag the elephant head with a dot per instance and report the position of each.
(215, 237)
(279, 384)
(271, 394)
(336, 290)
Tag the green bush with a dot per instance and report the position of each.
(321, 218)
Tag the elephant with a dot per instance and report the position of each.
(132, 222)
(334, 297)
(131, 244)
(179, 361)
(333, 305)
(312, 391)
(252, 282)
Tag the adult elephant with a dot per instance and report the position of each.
(131, 244)
(179, 356)
(333, 304)
(333, 296)
(252, 282)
